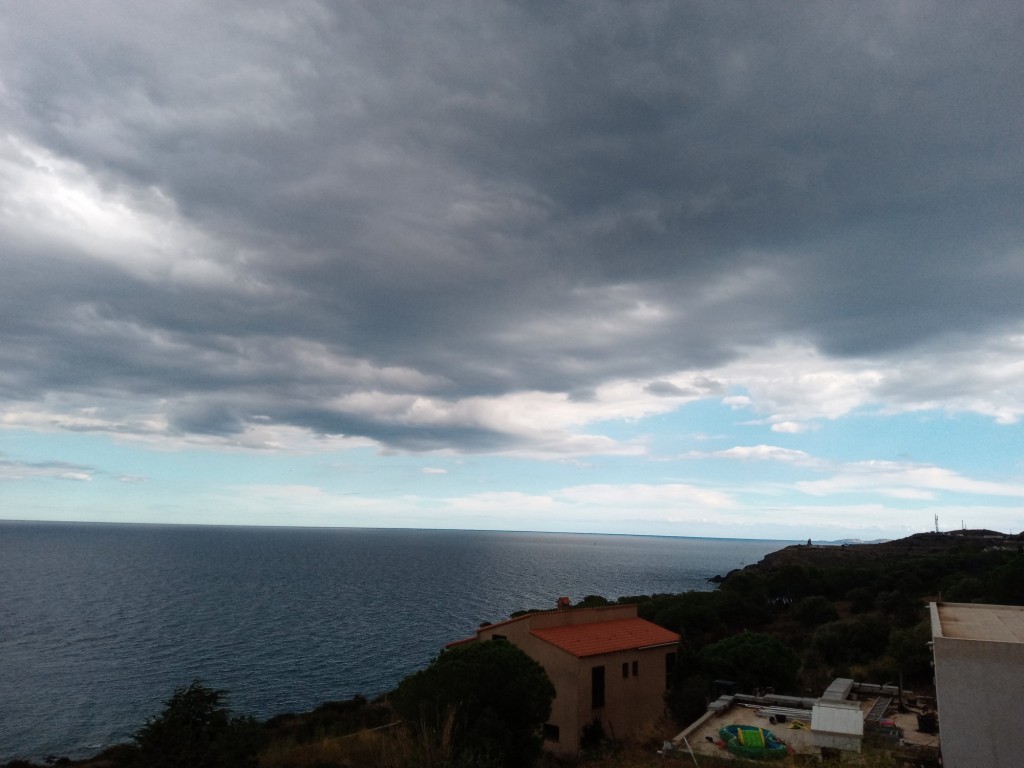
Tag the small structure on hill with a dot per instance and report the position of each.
(837, 723)
(610, 668)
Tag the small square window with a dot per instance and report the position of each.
(551, 732)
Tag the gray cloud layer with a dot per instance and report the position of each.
(454, 199)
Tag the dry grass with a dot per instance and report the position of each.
(386, 747)
(375, 749)
(424, 747)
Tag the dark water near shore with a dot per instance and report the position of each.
(99, 623)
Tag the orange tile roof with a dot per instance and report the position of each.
(606, 636)
(528, 616)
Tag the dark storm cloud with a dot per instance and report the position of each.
(406, 437)
(668, 389)
(487, 199)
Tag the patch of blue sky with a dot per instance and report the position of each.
(111, 458)
(692, 426)
(971, 444)
(485, 473)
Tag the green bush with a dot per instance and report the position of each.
(753, 660)
(1007, 582)
(687, 698)
(912, 653)
(815, 610)
(852, 641)
(482, 704)
(900, 607)
(196, 729)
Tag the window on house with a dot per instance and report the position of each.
(499, 637)
(625, 670)
(551, 732)
(670, 667)
(636, 668)
(597, 687)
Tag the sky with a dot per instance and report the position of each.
(726, 269)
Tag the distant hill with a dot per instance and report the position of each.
(842, 542)
(917, 545)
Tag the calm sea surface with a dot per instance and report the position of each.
(99, 623)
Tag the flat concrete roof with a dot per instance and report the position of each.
(968, 621)
(704, 738)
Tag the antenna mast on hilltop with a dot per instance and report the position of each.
(936, 523)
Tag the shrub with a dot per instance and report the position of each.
(195, 729)
(912, 653)
(852, 641)
(900, 607)
(815, 610)
(484, 702)
(861, 599)
(753, 660)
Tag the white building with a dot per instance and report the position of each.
(837, 722)
(979, 681)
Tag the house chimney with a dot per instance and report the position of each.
(564, 602)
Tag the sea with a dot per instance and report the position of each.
(99, 623)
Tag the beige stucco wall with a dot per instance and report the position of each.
(631, 702)
(980, 691)
(564, 671)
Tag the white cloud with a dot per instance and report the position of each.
(794, 385)
(647, 496)
(792, 427)
(599, 502)
(904, 481)
(55, 470)
(758, 453)
(544, 424)
(55, 205)
(965, 376)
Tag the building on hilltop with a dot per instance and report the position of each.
(607, 665)
(979, 679)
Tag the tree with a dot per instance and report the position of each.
(197, 730)
(752, 659)
(912, 653)
(903, 609)
(1008, 582)
(815, 610)
(861, 599)
(489, 697)
(852, 641)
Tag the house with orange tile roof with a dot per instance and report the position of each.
(607, 665)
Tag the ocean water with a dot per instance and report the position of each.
(99, 623)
